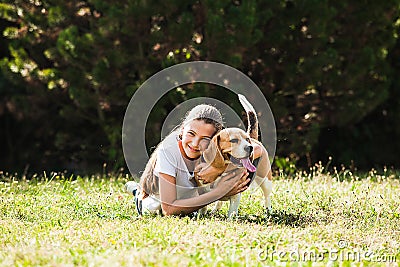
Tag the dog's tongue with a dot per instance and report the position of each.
(248, 165)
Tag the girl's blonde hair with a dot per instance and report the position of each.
(204, 112)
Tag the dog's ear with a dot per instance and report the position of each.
(213, 155)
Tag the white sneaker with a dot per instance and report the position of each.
(131, 187)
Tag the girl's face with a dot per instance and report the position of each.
(196, 135)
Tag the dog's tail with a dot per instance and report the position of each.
(252, 120)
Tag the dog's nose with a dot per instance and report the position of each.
(248, 149)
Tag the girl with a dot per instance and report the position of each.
(167, 183)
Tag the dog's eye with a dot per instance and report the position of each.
(235, 141)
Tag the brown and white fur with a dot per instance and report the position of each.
(230, 149)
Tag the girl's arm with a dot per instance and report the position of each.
(230, 184)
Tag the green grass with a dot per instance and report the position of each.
(318, 219)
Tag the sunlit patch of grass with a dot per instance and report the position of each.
(58, 220)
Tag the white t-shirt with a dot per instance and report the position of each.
(170, 161)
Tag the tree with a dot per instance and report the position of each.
(75, 64)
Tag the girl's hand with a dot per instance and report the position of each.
(233, 183)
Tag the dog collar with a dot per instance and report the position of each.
(253, 174)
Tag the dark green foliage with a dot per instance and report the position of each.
(72, 66)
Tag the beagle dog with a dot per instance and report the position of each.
(230, 149)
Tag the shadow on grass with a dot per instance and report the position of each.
(276, 217)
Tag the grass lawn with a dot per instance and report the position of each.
(319, 219)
